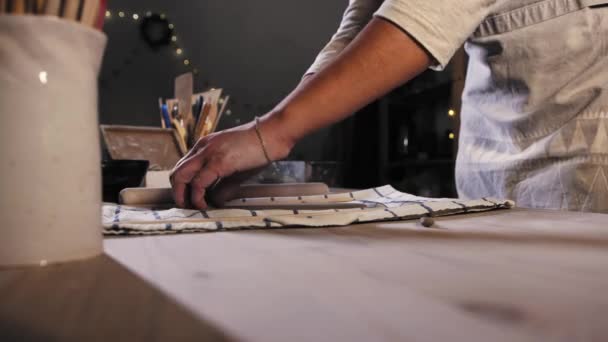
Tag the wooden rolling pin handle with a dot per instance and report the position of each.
(163, 196)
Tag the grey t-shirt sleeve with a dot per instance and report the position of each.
(357, 15)
(440, 26)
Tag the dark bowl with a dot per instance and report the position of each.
(120, 174)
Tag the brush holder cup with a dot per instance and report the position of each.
(50, 175)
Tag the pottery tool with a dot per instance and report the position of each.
(70, 9)
(52, 7)
(181, 132)
(39, 6)
(200, 123)
(197, 107)
(224, 103)
(163, 197)
(90, 11)
(18, 7)
(212, 96)
(183, 93)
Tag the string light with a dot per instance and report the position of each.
(451, 112)
(173, 39)
(451, 136)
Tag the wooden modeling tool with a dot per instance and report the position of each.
(212, 96)
(52, 7)
(181, 132)
(90, 11)
(39, 6)
(18, 7)
(224, 103)
(200, 123)
(163, 197)
(70, 10)
(183, 93)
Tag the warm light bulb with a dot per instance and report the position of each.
(108, 14)
(135, 16)
(121, 14)
(186, 62)
(174, 38)
(451, 136)
(179, 51)
(451, 112)
(171, 26)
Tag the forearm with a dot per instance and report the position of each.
(379, 59)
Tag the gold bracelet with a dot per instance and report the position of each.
(257, 131)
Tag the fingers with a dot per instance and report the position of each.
(182, 175)
(199, 184)
(228, 188)
(200, 144)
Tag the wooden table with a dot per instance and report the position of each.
(510, 275)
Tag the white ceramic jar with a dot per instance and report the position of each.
(50, 177)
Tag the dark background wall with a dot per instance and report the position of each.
(256, 50)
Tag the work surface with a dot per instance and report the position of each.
(508, 275)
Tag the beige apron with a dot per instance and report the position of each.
(535, 107)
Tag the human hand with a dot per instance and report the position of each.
(221, 155)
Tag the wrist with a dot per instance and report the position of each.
(276, 135)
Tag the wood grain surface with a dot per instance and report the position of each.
(519, 275)
(92, 300)
(510, 275)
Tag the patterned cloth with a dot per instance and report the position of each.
(380, 204)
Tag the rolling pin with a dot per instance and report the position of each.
(164, 196)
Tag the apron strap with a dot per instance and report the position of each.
(592, 3)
